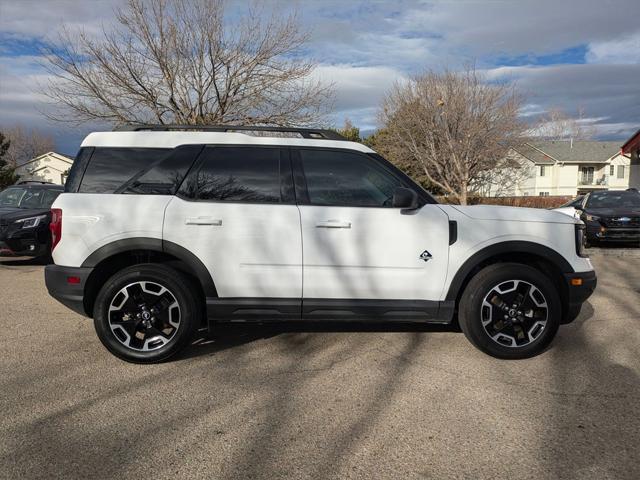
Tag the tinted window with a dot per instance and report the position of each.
(111, 168)
(236, 174)
(32, 198)
(77, 169)
(165, 176)
(11, 197)
(49, 197)
(613, 199)
(349, 179)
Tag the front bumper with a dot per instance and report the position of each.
(578, 294)
(29, 243)
(613, 234)
(67, 284)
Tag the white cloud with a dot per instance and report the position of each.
(359, 90)
(622, 50)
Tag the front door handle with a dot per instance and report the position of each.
(333, 224)
(216, 222)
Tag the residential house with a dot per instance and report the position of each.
(564, 168)
(631, 149)
(50, 167)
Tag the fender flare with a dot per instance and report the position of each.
(155, 245)
(510, 247)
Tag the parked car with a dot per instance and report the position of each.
(162, 230)
(611, 216)
(24, 219)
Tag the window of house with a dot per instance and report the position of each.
(620, 171)
(587, 175)
(542, 170)
(612, 169)
(544, 194)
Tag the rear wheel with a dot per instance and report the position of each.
(146, 313)
(510, 310)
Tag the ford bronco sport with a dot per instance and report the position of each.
(162, 230)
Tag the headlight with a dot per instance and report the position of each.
(580, 240)
(31, 221)
(592, 218)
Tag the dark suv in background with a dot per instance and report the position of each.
(24, 219)
(611, 216)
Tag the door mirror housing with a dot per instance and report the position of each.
(405, 198)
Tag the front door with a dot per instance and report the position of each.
(357, 249)
(236, 212)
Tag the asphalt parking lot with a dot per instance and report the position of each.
(322, 402)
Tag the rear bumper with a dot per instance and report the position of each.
(578, 294)
(66, 284)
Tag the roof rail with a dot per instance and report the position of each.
(314, 133)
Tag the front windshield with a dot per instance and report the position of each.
(573, 203)
(11, 197)
(18, 197)
(614, 200)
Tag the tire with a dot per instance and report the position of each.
(526, 330)
(173, 313)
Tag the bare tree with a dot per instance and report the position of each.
(182, 61)
(454, 126)
(26, 144)
(556, 124)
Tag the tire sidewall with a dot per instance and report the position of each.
(480, 286)
(165, 276)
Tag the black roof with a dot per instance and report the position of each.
(311, 133)
(36, 186)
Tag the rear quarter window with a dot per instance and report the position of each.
(111, 168)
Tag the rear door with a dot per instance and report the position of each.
(236, 212)
(357, 246)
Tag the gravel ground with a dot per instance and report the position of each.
(324, 402)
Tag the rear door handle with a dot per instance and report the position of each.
(333, 224)
(216, 222)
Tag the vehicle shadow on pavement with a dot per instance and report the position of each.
(226, 336)
(23, 261)
(591, 387)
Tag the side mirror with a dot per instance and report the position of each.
(405, 198)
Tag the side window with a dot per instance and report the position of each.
(347, 179)
(111, 168)
(165, 176)
(236, 174)
(49, 197)
(32, 199)
(76, 171)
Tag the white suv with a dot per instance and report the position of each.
(165, 229)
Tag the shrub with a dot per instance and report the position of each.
(532, 202)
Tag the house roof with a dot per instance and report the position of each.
(59, 156)
(632, 143)
(536, 156)
(579, 151)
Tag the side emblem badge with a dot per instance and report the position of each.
(426, 256)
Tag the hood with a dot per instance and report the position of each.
(18, 213)
(6, 210)
(614, 212)
(513, 214)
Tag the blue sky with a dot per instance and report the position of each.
(570, 54)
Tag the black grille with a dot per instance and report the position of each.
(616, 222)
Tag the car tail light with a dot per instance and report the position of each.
(55, 227)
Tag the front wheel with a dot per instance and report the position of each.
(146, 313)
(510, 310)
